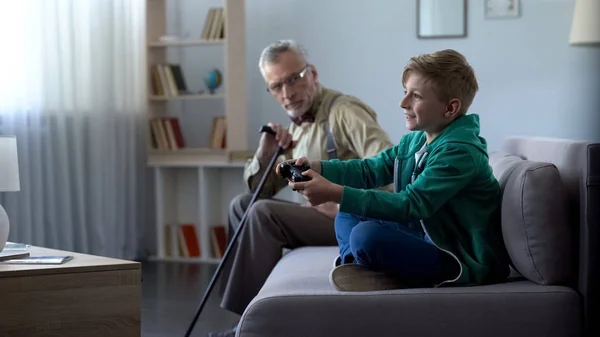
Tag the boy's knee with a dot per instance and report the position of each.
(364, 238)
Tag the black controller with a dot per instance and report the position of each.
(287, 169)
(293, 172)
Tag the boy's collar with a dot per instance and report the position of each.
(458, 122)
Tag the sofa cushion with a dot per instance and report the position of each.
(534, 218)
(297, 300)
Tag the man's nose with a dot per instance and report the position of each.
(287, 92)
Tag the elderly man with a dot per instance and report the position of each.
(325, 124)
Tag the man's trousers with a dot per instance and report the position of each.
(271, 226)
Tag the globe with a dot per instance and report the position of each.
(213, 80)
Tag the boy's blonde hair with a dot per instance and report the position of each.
(448, 73)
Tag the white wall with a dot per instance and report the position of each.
(532, 81)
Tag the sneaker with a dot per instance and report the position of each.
(337, 261)
(354, 277)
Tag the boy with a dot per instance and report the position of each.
(440, 224)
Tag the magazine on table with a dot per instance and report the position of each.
(18, 253)
(39, 260)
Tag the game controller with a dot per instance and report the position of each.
(293, 172)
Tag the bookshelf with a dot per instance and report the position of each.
(197, 138)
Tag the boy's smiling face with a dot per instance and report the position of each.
(423, 108)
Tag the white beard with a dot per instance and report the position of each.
(295, 113)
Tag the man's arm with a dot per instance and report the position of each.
(355, 127)
(255, 170)
(445, 174)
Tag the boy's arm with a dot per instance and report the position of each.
(445, 174)
(361, 173)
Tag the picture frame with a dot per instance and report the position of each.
(429, 22)
(502, 9)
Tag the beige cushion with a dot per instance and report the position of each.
(534, 218)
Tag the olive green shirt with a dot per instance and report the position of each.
(353, 125)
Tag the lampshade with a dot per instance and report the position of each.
(9, 165)
(585, 28)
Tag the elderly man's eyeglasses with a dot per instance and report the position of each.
(291, 81)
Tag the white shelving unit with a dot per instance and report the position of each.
(194, 194)
(194, 184)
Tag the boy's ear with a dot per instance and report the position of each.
(453, 108)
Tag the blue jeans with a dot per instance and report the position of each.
(393, 248)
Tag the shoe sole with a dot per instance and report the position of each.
(353, 277)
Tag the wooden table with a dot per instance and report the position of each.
(86, 297)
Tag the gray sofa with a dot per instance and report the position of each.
(550, 219)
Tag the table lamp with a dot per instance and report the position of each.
(9, 179)
(585, 29)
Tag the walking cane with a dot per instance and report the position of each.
(277, 153)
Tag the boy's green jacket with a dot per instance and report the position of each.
(454, 193)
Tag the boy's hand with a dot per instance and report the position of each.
(298, 161)
(318, 190)
(314, 165)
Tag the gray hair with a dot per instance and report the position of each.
(271, 53)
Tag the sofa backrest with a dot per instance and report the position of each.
(534, 219)
(553, 185)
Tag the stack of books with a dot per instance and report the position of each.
(13, 251)
(18, 253)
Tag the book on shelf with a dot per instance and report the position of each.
(214, 24)
(218, 238)
(168, 80)
(166, 133)
(218, 135)
(181, 240)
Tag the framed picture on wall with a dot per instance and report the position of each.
(437, 19)
(502, 9)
